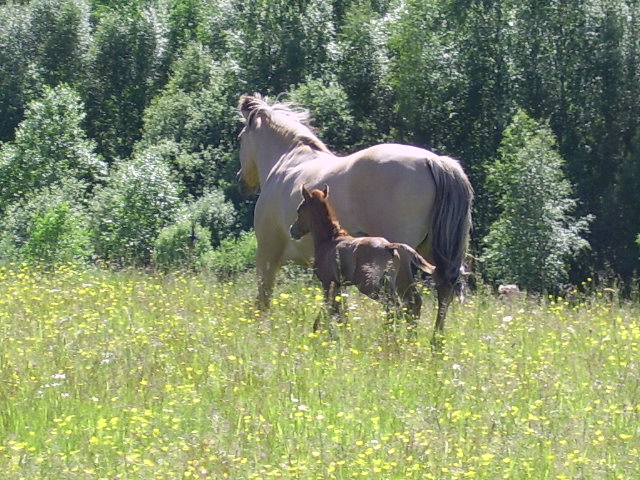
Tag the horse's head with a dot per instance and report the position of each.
(271, 130)
(247, 176)
(305, 211)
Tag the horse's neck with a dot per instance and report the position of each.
(278, 150)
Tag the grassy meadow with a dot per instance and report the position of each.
(134, 376)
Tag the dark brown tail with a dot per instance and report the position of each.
(451, 226)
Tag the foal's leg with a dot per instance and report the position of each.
(332, 306)
(334, 300)
(412, 303)
(387, 294)
(409, 295)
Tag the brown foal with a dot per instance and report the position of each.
(378, 268)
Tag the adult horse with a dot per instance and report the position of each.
(426, 202)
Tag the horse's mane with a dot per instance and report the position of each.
(286, 119)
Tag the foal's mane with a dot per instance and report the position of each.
(286, 119)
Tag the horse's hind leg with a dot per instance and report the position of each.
(445, 294)
(411, 306)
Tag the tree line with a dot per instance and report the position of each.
(118, 119)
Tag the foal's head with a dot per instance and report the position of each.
(314, 212)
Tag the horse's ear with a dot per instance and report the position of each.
(305, 193)
(244, 105)
(248, 104)
(325, 190)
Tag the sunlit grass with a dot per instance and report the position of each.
(128, 375)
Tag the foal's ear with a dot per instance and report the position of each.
(305, 193)
(325, 190)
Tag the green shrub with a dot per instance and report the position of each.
(58, 235)
(201, 225)
(181, 246)
(233, 256)
(213, 212)
(138, 201)
(49, 227)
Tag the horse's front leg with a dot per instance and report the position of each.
(267, 265)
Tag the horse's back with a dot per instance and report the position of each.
(388, 191)
(384, 152)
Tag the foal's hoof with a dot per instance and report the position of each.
(412, 331)
(437, 344)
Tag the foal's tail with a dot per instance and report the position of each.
(416, 259)
(449, 236)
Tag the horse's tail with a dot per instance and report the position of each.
(451, 226)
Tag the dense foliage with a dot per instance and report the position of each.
(97, 95)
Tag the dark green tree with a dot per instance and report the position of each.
(623, 221)
(193, 122)
(576, 63)
(425, 74)
(362, 69)
(607, 128)
(279, 43)
(331, 113)
(43, 42)
(125, 62)
(60, 36)
(50, 149)
(484, 105)
(484, 36)
(14, 68)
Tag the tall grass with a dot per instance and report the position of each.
(125, 375)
